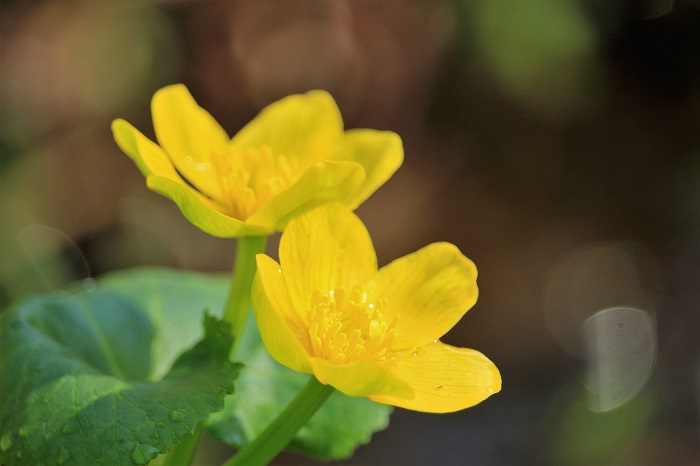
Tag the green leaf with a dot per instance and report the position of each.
(173, 300)
(265, 388)
(77, 385)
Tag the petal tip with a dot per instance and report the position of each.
(117, 122)
(178, 87)
(321, 94)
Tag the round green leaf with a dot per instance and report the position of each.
(76, 383)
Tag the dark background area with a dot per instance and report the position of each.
(556, 143)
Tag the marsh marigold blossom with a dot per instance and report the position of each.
(292, 157)
(327, 310)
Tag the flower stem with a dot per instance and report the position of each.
(183, 452)
(278, 434)
(244, 267)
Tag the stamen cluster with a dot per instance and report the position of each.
(249, 179)
(346, 326)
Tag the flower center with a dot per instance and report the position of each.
(248, 179)
(345, 326)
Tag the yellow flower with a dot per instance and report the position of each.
(292, 157)
(327, 310)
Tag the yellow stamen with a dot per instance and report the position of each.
(249, 179)
(346, 326)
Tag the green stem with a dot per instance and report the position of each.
(244, 267)
(236, 312)
(278, 434)
(182, 453)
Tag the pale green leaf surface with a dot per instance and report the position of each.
(174, 301)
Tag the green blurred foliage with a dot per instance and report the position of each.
(579, 435)
(543, 54)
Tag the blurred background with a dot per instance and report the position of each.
(556, 142)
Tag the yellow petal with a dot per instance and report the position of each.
(306, 127)
(379, 152)
(321, 183)
(276, 317)
(361, 378)
(201, 211)
(445, 379)
(325, 249)
(429, 290)
(189, 134)
(147, 155)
